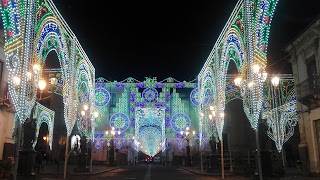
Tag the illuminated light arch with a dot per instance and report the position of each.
(232, 92)
(44, 115)
(249, 23)
(19, 41)
(84, 90)
(205, 82)
(27, 40)
(75, 142)
(232, 43)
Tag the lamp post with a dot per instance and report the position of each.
(110, 141)
(252, 93)
(276, 103)
(31, 81)
(188, 137)
(87, 117)
(46, 147)
(212, 117)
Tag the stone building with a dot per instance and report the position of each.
(305, 61)
(6, 108)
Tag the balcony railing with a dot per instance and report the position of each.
(308, 88)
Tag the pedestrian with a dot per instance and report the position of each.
(299, 165)
(58, 166)
(39, 162)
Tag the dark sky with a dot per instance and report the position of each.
(164, 39)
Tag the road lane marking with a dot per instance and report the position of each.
(147, 176)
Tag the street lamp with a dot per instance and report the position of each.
(213, 117)
(188, 136)
(251, 90)
(87, 117)
(281, 117)
(46, 147)
(26, 85)
(110, 143)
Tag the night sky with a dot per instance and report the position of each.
(170, 39)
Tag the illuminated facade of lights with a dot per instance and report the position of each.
(149, 115)
(136, 109)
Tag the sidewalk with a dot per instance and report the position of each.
(51, 171)
(291, 174)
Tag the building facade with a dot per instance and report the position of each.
(305, 61)
(6, 108)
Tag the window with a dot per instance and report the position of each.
(317, 124)
(311, 67)
(1, 69)
(113, 99)
(312, 73)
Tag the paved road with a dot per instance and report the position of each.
(140, 172)
(149, 172)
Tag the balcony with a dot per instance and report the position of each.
(308, 92)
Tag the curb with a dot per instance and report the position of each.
(93, 173)
(196, 172)
(85, 173)
(203, 173)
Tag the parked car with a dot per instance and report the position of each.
(157, 160)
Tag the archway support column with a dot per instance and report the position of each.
(222, 159)
(66, 158)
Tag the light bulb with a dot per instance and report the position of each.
(42, 84)
(36, 68)
(237, 81)
(83, 113)
(85, 107)
(96, 114)
(16, 80)
(275, 81)
(256, 68)
(29, 76)
(53, 81)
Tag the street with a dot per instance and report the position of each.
(142, 172)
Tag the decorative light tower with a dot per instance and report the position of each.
(251, 90)
(280, 113)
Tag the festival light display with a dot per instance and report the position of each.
(238, 43)
(44, 115)
(129, 110)
(34, 28)
(280, 109)
(150, 124)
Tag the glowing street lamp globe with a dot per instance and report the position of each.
(42, 84)
(36, 68)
